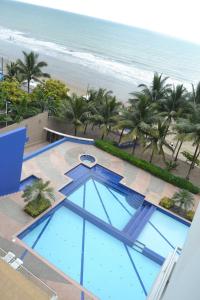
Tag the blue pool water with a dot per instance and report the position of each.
(104, 202)
(107, 270)
(163, 233)
(78, 236)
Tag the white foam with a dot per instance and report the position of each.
(127, 73)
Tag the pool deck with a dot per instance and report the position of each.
(52, 165)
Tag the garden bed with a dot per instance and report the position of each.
(147, 166)
(35, 208)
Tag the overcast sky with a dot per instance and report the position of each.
(178, 18)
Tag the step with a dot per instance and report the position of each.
(132, 220)
(138, 229)
(135, 200)
(138, 220)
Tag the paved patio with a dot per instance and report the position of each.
(52, 165)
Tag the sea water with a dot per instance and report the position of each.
(85, 51)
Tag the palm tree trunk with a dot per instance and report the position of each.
(198, 154)
(134, 146)
(85, 129)
(75, 131)
(28, 85)
(177, 153)
(175, 148)
(121, 135)
(193, 162)
(152, 154)
(102, 137)
(108, 130)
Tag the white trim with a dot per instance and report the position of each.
(162, 280)
(68, 136)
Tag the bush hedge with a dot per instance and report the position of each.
(35, 208)
(166, 202)
(190, 215)
(147, 166)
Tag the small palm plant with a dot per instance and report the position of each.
(39, 196)
(183, 199)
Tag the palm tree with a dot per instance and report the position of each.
(106, 113)
(136, 118)
(156, 139)
(174, 105)
(38, 191)
(191, 128)
(181, 137)
(158, 88)
(12, 71)
(195, 94)
(76, 111)
(97, 96)
(183, 199)
(30, 68)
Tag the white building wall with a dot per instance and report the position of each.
(185, 281)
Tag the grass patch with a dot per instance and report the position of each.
(147, 166)
(35, 207)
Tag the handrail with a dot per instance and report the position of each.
(39, 282)
(51, 293)
(164, 275)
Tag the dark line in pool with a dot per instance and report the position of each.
(102, 202)
(83, 246)
(161, 234)
(135, 269)
(119, 201)
(41, 232)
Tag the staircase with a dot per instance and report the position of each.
(138, 221)
(135, 200)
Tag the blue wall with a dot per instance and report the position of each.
(11, 158)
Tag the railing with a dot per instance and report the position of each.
(162, 280)
(38, 282)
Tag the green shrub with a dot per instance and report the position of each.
(189, 157)
(34, 208)
(190, 215)
(166, 202)
(171, 165)
(145, 165)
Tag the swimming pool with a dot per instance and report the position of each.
(89, 236)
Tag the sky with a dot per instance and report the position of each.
(178, 18)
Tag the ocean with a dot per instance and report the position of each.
(87, 52)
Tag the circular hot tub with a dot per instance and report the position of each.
(87, 159)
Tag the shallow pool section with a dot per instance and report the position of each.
(103, 202)
(163, 233)
(102, 264)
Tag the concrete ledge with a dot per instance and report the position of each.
(72, 138)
